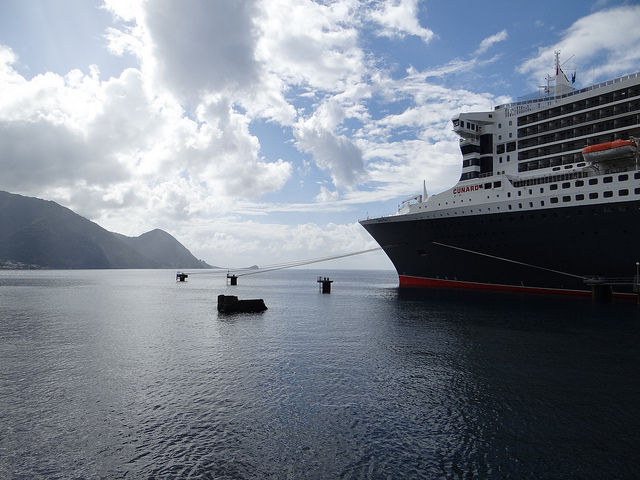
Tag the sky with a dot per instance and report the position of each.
(261, 131)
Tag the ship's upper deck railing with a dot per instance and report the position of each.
(552, 98)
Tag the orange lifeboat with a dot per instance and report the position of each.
(610, 150)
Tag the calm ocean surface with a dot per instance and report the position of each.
(128, 374)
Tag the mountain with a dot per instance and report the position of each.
(42, 234)
(162, 247)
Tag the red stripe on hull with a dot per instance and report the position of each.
(407, 281)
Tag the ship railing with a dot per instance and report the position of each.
(518, 182)
(379, 216)
(516, 108)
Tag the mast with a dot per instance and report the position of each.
(562, 84)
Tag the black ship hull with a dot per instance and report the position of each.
(559, 250)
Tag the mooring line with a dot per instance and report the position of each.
(278, 266)
(582, 277)
(306, 262)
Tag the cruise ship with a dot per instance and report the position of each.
(548, 200)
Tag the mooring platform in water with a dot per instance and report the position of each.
(231, 304)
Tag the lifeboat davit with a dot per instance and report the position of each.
(610, 150)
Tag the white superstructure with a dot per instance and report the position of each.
(528, 155)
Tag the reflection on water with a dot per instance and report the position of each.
(127, 373)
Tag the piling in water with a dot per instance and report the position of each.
(325, 284)
(181, 277)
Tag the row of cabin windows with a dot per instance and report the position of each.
(594, 195)
(572, 139)
(531, 215)
(567, 198)
(580, 183)
(569, 176)
(616, 95)
(563, 151)
(545, 132)
(552, 178)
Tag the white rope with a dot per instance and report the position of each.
(279, 266)
(307, 262)
(509, 260)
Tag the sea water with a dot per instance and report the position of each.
(130, 374)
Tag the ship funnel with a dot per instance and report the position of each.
(424, 190)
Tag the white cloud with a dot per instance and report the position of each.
(248, 55)
(489, 41)
(610, 37)
(203, 47)
(335, 153)
(8, 76)
(399, 18)
(312, 44)
(80, 138)
(191, 47)
(326, 195)
(454, 66)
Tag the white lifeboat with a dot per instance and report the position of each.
(603, 152)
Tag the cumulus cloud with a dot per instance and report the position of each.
(332, 152)
(247, 55)
(203, 46)
(399, 18)
(590, 38)
(191, 47)
(313, 44)
(326, 195)
(335, 153)
(79, 138)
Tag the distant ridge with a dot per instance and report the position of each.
(37, 233)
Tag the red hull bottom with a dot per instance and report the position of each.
(408, 281)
